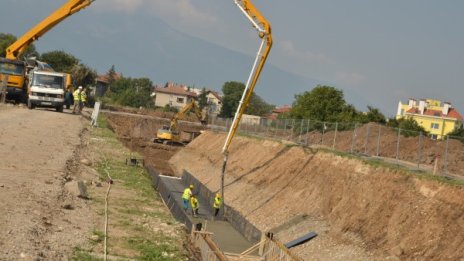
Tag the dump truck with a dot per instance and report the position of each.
(15, 68)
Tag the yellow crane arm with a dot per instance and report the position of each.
(264, 31)
(66, 10)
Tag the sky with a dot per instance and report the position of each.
(377, 52)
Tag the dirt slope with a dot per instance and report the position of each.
(379, 213)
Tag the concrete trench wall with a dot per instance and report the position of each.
(240, 223)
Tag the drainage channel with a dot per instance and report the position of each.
(231, 237)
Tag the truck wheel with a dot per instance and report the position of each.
(30, 106)
(59, 108)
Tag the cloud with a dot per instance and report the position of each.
(351, 78)
(174, 12)
(307, 57)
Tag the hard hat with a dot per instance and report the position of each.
(191, 186)
(80, 87)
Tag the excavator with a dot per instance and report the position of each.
(263, 27)
(15, 69)
(171, 134)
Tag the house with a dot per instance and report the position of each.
(101, 83)
(173, 95)
(434, 116)
(279, 111)
(214, 102)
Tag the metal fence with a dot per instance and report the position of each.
(407, 148)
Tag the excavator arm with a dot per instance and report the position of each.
(66, 10)
(191, 105)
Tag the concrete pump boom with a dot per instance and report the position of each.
(264, 31)
(66, 10)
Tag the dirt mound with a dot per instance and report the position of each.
(382, 211)
(377, 140)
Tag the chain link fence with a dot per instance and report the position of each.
(406, 148)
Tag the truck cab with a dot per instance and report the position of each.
(46, 89)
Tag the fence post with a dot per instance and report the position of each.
(284, 132)
(398, 147)
(301, 130)
(323, 132)
(353, 137)
(378, 141)
(446, 155)
(335, 135)
(276, 128)
(307, 131)
(367, 138)
(419, 150)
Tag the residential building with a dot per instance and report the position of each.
(173, 95)
(214, 103)
(279, 111)
(434, 116)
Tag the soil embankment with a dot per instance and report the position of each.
(379, 213)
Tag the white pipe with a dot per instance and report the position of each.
(249, 17)
(253, 71)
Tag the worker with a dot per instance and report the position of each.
(84, 99)
(68, 100)
(77, 100)
(186, 196)
(217, 204)
(195, 205)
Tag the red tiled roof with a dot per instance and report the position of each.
(282, 109)
(453, 113)
(176, 90)
(104, 78)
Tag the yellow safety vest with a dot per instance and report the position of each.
(187, 194)
(217, 202)
(77, 95)
(194, 203)
(84, 97)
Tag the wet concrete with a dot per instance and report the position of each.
(226, 237)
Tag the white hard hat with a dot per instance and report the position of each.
(80, 87)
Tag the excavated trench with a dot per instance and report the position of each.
(359, 211)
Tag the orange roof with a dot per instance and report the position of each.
(453, 113)
(175, 90)
(105, 77)
(282, 109)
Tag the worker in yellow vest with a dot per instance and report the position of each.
(195, 205)
(217, 204)
(77, 100)
(186, 196)
(84, 99)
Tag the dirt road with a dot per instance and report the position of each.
(40, 219)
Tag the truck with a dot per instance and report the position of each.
(46, 89)
(15, 68)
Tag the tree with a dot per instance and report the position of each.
(323, 103)
(8, 39)
(83, 75)
(457, 134)
(233, 92)
(60, 61)
(132, 92)
(409, 127)
(372, 115)
(203, 99)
